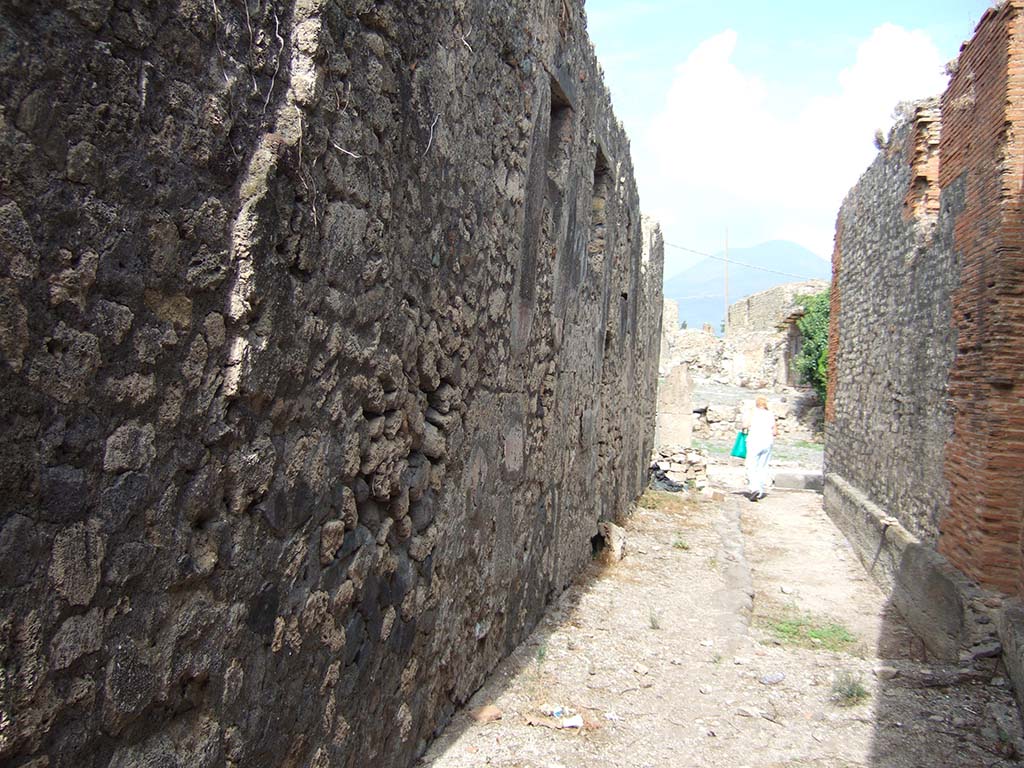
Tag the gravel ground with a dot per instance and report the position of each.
(733, 634)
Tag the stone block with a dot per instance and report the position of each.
(931, 597)
(76, 562)
(675, 408)
(800, 480)
(1011, 634)
(614, 538)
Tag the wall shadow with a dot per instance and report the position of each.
(939, 714)
(505, 673)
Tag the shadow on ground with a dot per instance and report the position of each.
(528, 657)
(931, 713)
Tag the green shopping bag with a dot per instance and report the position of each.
(739, 448)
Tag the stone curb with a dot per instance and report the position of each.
(801, 481)
(737, 593)
(938, 602)
(1011, 634)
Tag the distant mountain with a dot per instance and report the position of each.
(699, 290)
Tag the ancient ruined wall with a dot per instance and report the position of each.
(926, 423)
(983, 154)
(674, 423)
(761, 335)
(766, 311)
(895, 273)
(673, 341)
(329, 332)
(835, 306)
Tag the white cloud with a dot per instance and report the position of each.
(723, 151)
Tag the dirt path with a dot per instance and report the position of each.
(733, 634)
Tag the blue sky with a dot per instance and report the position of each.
(759, 115)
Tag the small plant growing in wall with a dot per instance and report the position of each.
(812, 363)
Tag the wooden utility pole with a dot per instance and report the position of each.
(726, 279)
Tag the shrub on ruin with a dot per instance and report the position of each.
(812, 363)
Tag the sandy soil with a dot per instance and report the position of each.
(720, 640)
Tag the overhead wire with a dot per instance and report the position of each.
(738, 263)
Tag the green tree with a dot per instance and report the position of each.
(812, 362)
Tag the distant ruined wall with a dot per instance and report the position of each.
(766, 311)
(761, 338)
(925, 418)
(329, 333)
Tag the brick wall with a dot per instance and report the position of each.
(983, 148)
(922, 202)
(925, 415)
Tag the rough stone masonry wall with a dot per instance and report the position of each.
(329, 332)
(889, 415)
(926, 424)
(767, 311)
(983, 151)
(894, 274)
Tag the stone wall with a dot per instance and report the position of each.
(762, 336)
(674, 424)
(891, 420)
(329, 334)
(769, 311)
(797, 413)
(673, 338)
(925, 420)
(888, 416)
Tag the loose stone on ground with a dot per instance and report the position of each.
(666, 667)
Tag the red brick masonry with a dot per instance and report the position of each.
(983, 138)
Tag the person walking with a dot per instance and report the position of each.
(761, 431)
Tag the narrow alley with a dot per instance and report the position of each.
(663, 659)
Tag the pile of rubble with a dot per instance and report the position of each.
(677, 468)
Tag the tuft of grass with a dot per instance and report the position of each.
(848, 690)
(808, 444)
(663, 501)
(680, 543)
(715, 449)
(542, 654)
(654, 618)
(808, 631)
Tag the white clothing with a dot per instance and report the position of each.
(757, 470)
(761, 433)
(760, 437)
